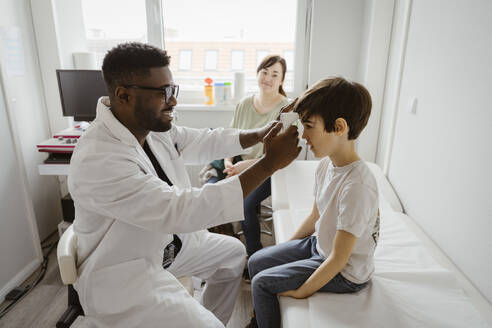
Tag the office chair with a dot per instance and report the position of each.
(66, 253)
(67, 258)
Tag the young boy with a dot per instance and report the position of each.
(332, 251)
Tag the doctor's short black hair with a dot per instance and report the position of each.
(129, 61)
(334, 98)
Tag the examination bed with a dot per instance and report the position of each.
(410, 288)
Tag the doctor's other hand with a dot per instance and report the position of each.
(281, 148)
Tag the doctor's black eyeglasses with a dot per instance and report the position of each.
(167, 90)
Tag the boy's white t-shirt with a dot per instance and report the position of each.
(347, 199)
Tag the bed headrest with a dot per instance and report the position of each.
(387, 196)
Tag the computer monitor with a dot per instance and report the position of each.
(79, 92)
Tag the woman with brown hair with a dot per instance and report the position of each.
(256, 111)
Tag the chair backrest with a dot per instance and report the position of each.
(66, 253)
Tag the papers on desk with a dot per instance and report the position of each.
(59, 145)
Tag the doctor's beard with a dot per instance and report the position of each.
(151, 119)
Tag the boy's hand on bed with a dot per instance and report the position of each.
(299, 293)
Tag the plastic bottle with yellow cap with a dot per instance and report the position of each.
(209, 91)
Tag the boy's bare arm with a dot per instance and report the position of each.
(307, 227)
(343, 246)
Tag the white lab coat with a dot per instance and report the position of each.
(125, 216)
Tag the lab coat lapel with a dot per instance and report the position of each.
(163, 149)
(120, 132)
(115, 127)
(160, 143)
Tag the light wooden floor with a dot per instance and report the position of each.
(44, 305)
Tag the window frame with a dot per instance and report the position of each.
(290, 68)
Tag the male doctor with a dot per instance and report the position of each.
(138, 221)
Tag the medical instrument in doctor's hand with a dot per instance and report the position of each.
(288, 119)
(167, 90)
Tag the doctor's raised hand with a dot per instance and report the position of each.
(256, 136)
(280, 150)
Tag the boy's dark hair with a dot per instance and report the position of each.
(337, 98)
(270, 61)
(128, 61)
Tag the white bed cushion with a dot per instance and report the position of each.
(387, 196)
(294, 312)
(280, 200)
(409, 289)
(286, 222)
(292, 186)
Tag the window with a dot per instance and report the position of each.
(206, 38)
(211, 57)
(184, 60)
(226, 36)
(126, 23)
(237, 60)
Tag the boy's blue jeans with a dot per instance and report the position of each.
(285, 267)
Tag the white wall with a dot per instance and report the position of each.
(335, 39)
(59, 29)
(440, 158)
(25, 100)
(351, 38)
(376, 36)
(20, 251)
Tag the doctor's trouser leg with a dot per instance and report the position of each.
(218, 260)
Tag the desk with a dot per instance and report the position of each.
(196, 116)
(53, 169)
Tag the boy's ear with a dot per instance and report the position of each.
(341, 126)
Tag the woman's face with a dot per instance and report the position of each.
(270, 78)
